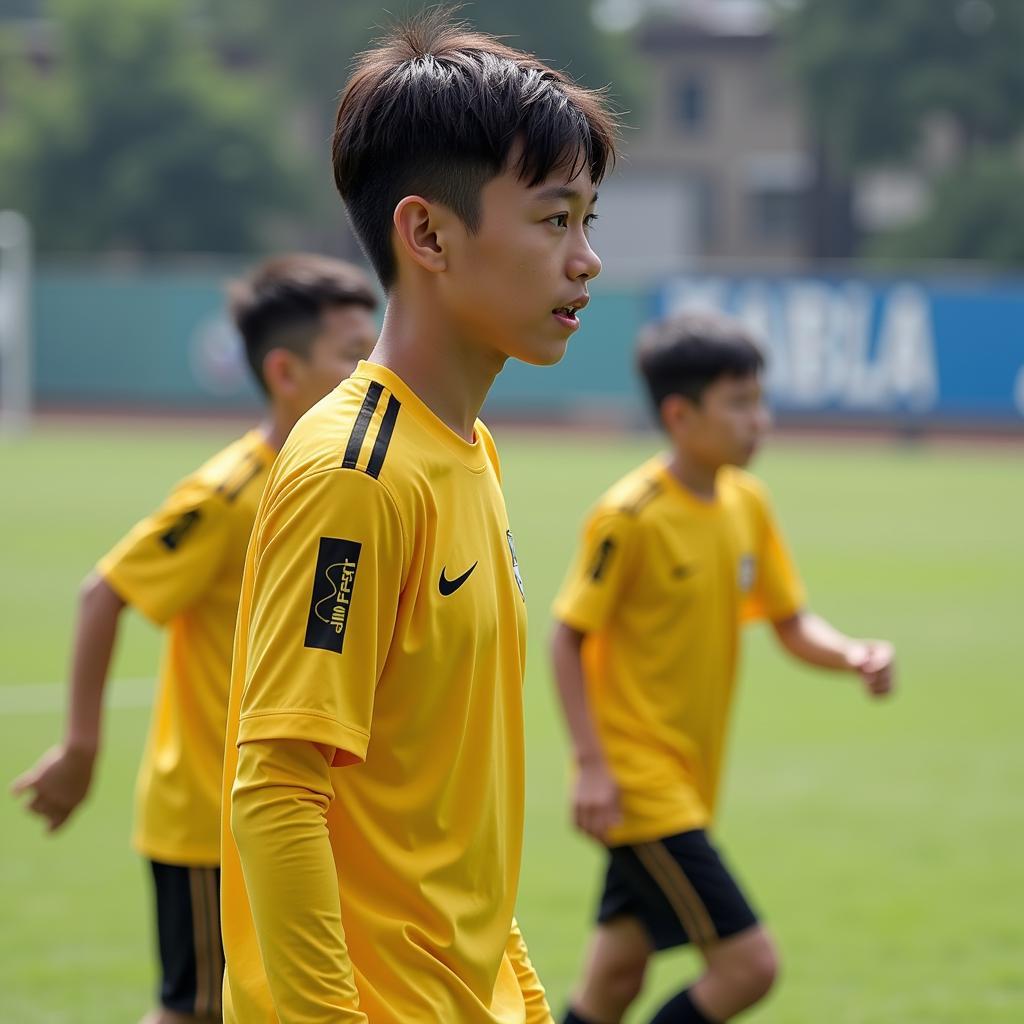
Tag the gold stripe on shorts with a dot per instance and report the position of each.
(200, 940)
(672, 880)
(216, 947)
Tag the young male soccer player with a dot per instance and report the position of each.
(675, 558)
(306, 321)
(376, 798)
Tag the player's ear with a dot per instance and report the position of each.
(279, 371)
(674, 411)
(420, 226)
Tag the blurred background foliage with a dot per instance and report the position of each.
(113, 113)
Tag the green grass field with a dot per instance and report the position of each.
(883, 843)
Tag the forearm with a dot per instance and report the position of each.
(813, 640)
(99, 611)
(278, 805)
(537, 1009)
(567, 661)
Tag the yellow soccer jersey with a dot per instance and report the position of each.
(182, 568)
(383, 620)
(660, 586)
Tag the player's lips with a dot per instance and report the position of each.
(566, 315)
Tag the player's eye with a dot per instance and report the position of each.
(590, 220)
(560, 220)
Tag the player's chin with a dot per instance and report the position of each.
(745, 454)
(542, 351)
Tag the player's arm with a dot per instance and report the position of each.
(779, 597)
(329, 557)
(60, 779)
(278, 818)
(593, 584)
(595, 802)
(160, 567)
(811, 639)
(537, 1009)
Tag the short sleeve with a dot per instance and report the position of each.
(168, 560)
(778, 591)
(599, 570)
(327, 571)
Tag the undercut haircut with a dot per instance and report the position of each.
(685, 354)
(280, 303)
(436, 109)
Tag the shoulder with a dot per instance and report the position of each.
(738, 487)
(226, 476)
(628, 503)
(637, 493)
(336, 461)
(216, 484)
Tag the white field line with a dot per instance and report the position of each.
(51, 698)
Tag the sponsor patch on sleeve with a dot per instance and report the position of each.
(179, 531)
(334, 581)
(599, 566)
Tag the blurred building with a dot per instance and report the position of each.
(723, 152)
(724, 169)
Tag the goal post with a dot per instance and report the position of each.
(15, 326)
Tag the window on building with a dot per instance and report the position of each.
(778, 216)
(691, 104)
(777, 189)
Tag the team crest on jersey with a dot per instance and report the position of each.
(515, 563)
(334, 581)
(748, 571)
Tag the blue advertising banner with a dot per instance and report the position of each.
(934, 350)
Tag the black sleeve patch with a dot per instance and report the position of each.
(179, 531)
(604, 555)
(334, 581)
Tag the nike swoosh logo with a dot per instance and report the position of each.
(447, 586)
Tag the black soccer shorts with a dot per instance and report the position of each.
(678, 888)
(188, 929)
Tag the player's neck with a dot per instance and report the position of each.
(448, 373)
(697, 477)
(276, 427)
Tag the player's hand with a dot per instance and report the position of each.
(56, 784)
(874, 662)
(595, 802)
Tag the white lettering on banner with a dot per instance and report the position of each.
(1018, 391)
(818, 337)
(906, 350)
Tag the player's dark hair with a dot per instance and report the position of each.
(685, 354)
(436, 109)
(280, 303)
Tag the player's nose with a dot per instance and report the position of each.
(585, 264)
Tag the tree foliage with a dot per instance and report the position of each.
(975, 213)
(872, 70)
(138, 139)
(315, 50)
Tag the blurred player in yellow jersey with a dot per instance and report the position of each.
(306, 321)
(674, 558)
(374, 773)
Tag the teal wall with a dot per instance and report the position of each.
(841, 347)
(124, 340)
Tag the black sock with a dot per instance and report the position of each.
(680, 1009)
(572, 1017)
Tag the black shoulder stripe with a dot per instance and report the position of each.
(355, 441)
(387, 428)
(651, 490)
(245, 476)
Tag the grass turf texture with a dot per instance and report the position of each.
(882, 843)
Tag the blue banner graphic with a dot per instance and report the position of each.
(937, 350)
